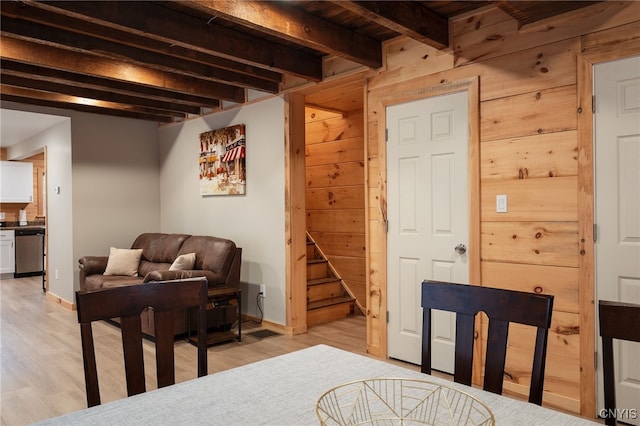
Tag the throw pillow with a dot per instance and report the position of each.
(123, 262)
(183, 262)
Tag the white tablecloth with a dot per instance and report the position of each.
(282, 391)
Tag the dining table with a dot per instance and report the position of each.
(284, 390)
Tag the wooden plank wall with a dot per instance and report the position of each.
(529, 150)
(335, 192)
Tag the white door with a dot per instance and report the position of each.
(617, 188)
(428, 216)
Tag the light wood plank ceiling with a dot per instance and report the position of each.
(168, 60)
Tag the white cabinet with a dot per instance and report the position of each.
(16, 182)
(7, 252)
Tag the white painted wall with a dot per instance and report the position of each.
(116, 182)
(57, 140)
(107, 171)
(255, 221)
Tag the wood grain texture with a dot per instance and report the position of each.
(351, 221)
(586, 261)
(501, 36)
(537, 156)
(340, 151)
(624, 40)
(295, 223)
(549, 199)
(536, 68)
(334, 151)
(332, 127)
(351, 245)
(336, 174)
(561, 282)
(544, 111)
(344, 197)
(536, 243)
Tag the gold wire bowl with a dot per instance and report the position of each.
(395, 401)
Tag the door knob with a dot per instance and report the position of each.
(461, 249)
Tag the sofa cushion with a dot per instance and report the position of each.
(158, 247)
(212, 253)
(98, 281)
(123, 262)
(146, 267)
(213, 279)
(184, 261)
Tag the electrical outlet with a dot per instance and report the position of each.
(263, 290)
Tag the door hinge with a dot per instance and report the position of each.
(386, 225)
(595, 232)
(386, 135)
(387, 317)
(593, 104)
(595, 360)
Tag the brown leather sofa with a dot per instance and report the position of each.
(217, 259)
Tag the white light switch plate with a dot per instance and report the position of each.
(501, 203)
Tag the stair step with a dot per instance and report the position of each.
(327, 298)
(324, 311)
(329, 302)
(323, 280)
(317, 268)
(324, 288)
(312, 253)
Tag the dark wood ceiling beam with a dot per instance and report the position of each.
(44, 16)
(62, 38)
(52, 57)
(160, 23)
(280, 20)
(409, 18)
(31, 82)
(98, 83)
(32, 97)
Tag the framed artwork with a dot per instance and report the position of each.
(222, 161)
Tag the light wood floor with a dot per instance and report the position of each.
(41, 372)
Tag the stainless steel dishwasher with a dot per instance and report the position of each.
(29, 252)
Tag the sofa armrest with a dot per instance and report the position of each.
(90, 265)
(93, 264)
(166, 275)
(233, 278)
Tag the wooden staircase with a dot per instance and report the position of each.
(328, 299)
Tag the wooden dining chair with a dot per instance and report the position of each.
(617, 321)
(127, 302)
(502, 307)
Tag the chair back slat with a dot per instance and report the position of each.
(165, 364)
(131, 329)
(464, 348)
(89, 362)
(501, 307)
(496, 355)
(617, 321)
(127, 303)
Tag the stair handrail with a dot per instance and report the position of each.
(342, 283)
